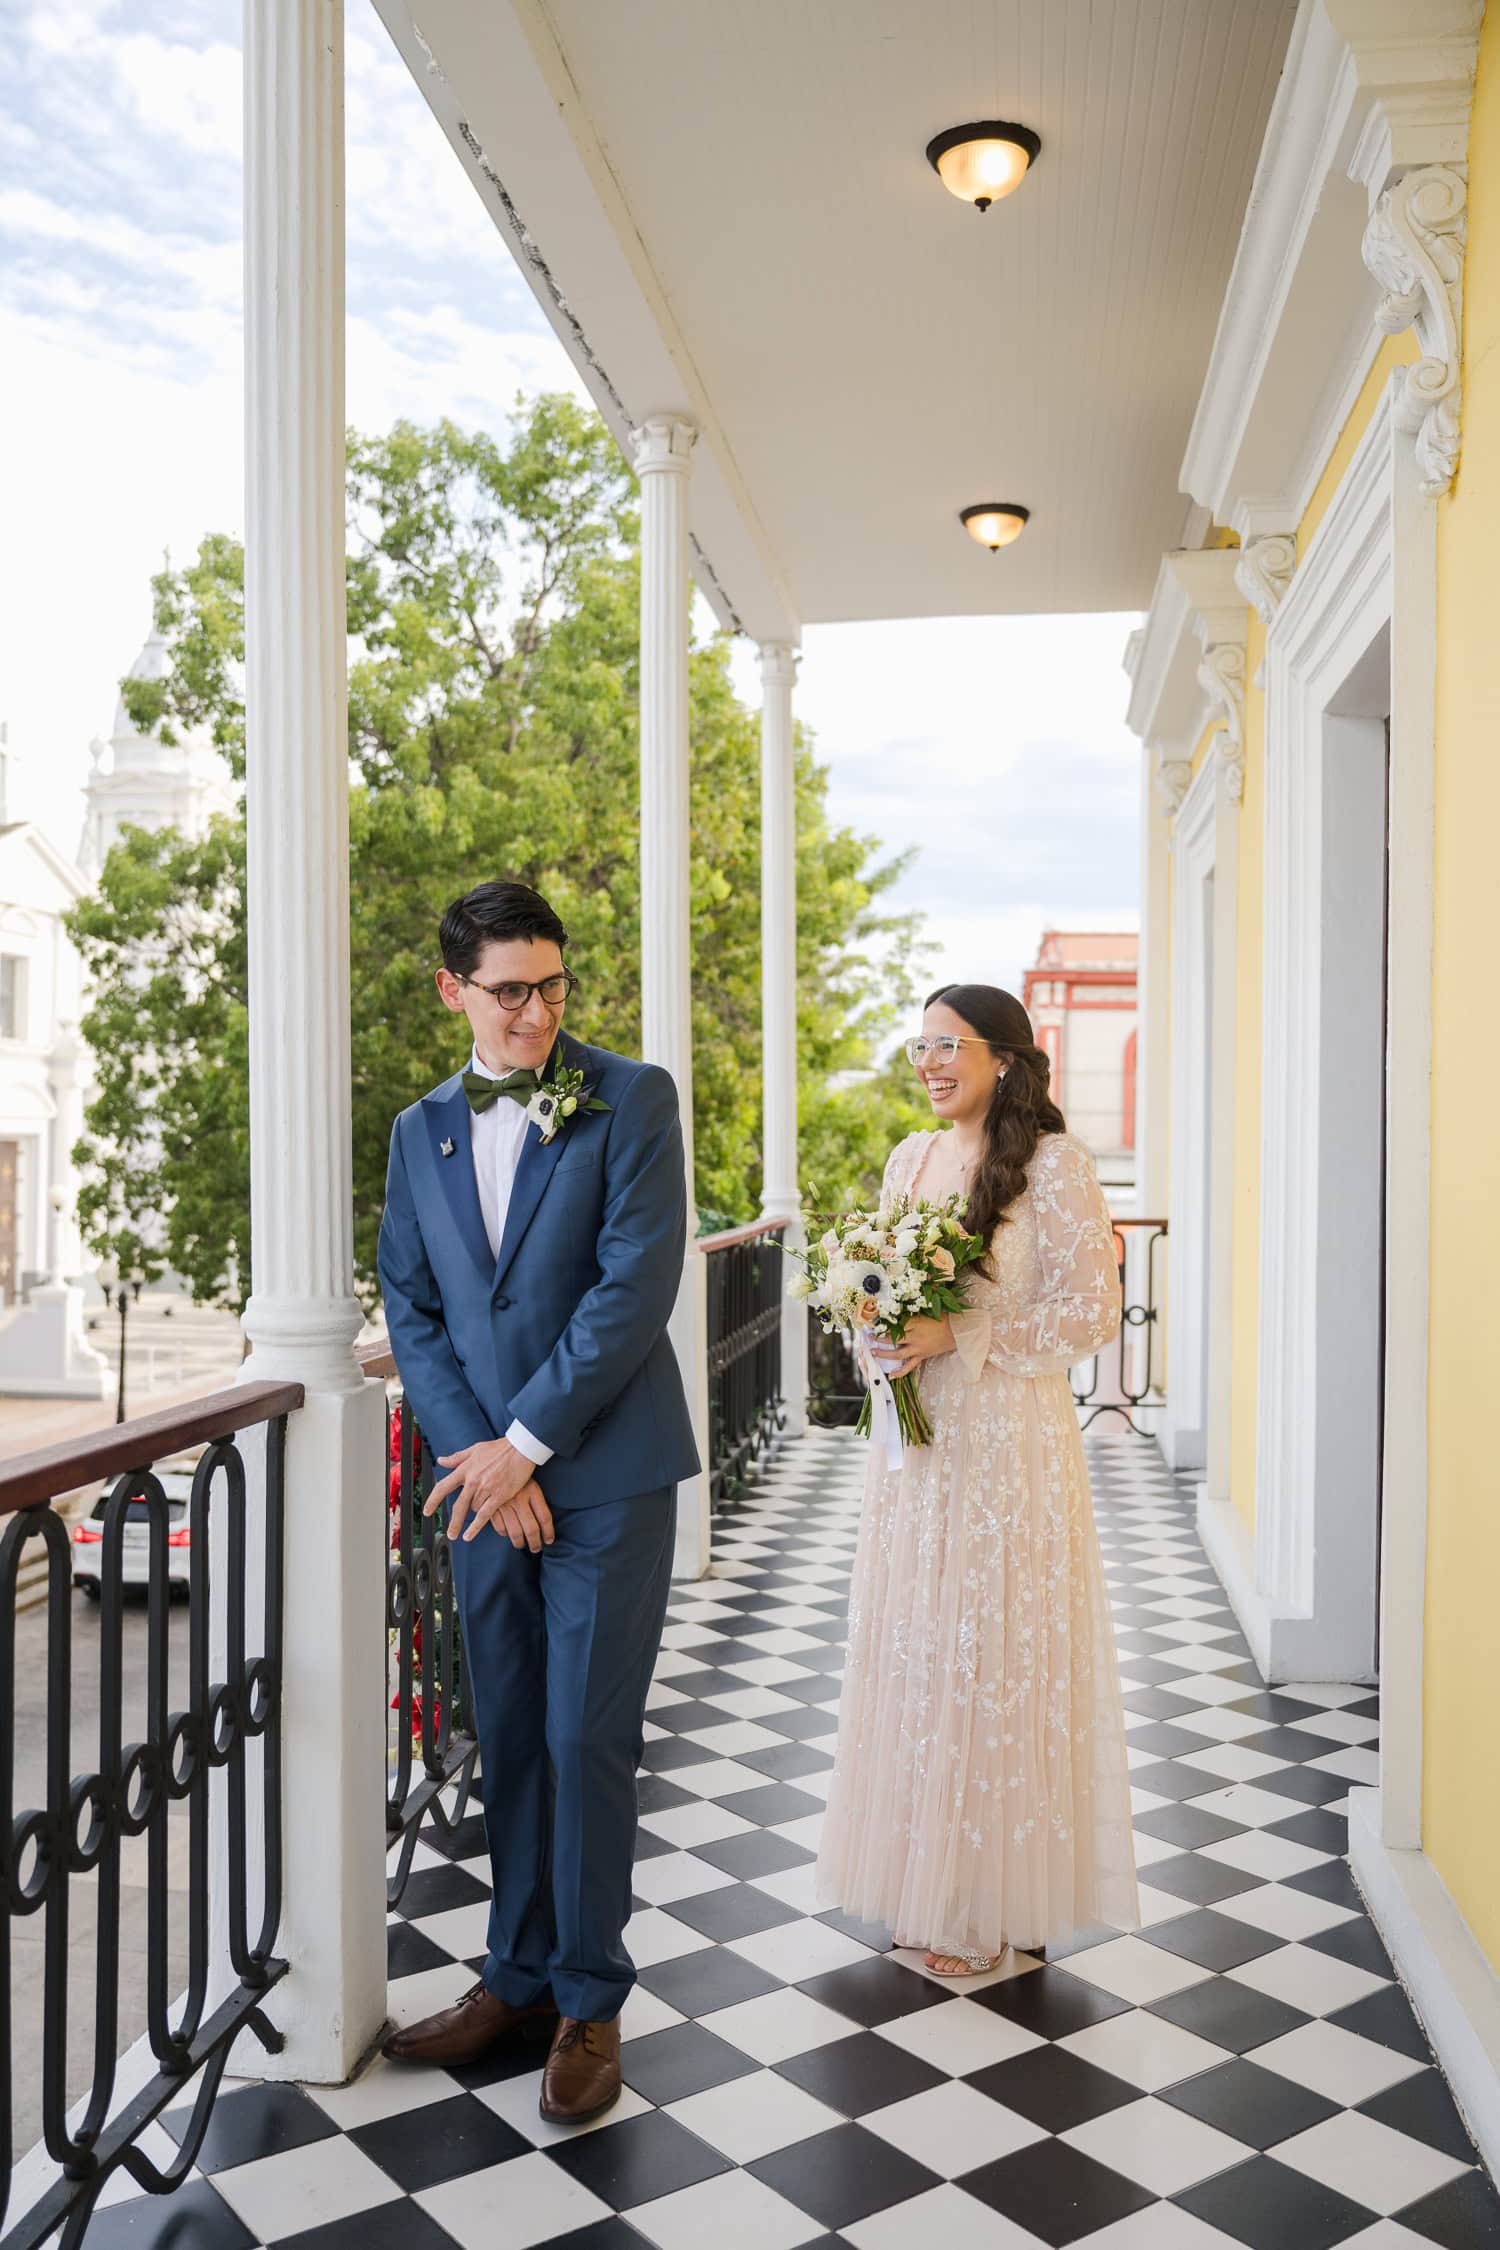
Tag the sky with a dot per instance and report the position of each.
(997, 747)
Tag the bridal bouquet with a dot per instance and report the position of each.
(872, 1272)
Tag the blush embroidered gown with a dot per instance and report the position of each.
(980, 1795)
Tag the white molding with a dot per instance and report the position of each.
(1371, 89)
(1369, 572)
(1194, 608)
(1230, 1546)
(1153, 1007)
(1451, 1983)
(1184, 1433)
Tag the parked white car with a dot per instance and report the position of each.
(135, 1561)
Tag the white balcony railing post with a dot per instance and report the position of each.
(663, 451)
(781, 1194)
(303, 1317)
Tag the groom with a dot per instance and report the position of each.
(530, 1260)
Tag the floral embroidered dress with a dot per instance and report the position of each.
(979, 1794)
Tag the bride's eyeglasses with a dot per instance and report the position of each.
(941, 1049)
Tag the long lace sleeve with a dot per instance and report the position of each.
(1078, 1309)
(900, 1166)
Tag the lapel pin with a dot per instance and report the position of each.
(445, 1148)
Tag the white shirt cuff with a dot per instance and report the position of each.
(521, 1438)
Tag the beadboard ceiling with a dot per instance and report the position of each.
(731, 201)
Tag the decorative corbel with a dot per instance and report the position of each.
(1221, 676)
(1414, 246)
(1264, 572)
(1172, 778)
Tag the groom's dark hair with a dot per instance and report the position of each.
(494, 912)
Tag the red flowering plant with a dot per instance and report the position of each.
(393, 1495)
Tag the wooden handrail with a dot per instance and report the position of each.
(31, 1479)
(376, 1359)
(741, 1234)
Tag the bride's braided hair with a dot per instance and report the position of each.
(1021, 1108)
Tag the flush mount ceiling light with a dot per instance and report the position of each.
(995, 523)
(981, 163)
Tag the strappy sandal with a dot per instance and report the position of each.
(971, 1964)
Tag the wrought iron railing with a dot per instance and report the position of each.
(1127, 1378)
(75, 1834)
(747, 1277)
(433, 1752)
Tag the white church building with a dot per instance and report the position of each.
(136, 780)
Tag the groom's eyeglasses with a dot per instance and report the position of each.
(554, 990)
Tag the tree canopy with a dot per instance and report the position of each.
(493, 683)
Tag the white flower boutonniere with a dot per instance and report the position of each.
(557, 1099)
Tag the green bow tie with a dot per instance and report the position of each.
(483, 1093)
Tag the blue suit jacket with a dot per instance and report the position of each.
(566, 1329)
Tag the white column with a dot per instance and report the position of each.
(781, 1195)
(663, 449)
(302, 1318)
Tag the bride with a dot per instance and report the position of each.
(979, 1795)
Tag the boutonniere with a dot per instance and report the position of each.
(558, 1098)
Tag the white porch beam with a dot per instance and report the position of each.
(781, 1193)
(302, 1318)
(663, 453)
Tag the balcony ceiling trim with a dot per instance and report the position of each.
(1372, 88)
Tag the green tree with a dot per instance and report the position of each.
(493, 606)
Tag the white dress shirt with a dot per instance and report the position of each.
(495, 1136)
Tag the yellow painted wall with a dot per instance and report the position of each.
(1396, 351)
(1203, 745)
(1461, 1712)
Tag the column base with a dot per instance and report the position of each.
(331, 2005)
(308, 1340)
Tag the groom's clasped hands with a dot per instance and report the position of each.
(495, 1484)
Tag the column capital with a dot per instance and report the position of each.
(1265, 570)
(663, 442)
(778, 662)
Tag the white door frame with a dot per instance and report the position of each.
(1370, 572)
(1184, 1435)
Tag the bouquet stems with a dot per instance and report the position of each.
(911, 1416)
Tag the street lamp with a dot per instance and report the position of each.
(124, 1288)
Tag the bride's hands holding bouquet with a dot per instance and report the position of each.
(921, 1339)
(889, 1280)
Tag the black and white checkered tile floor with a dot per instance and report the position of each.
(1243, 2071)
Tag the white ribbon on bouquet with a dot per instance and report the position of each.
(885, 1420)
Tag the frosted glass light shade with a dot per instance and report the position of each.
(981, 163)
(995, 523)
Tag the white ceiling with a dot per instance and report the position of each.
(745, 180)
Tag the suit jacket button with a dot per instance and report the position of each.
(501, 1303)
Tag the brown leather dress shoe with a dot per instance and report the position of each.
(582, 2077)
(466, 2030)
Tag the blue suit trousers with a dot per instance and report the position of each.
(560, 1648)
